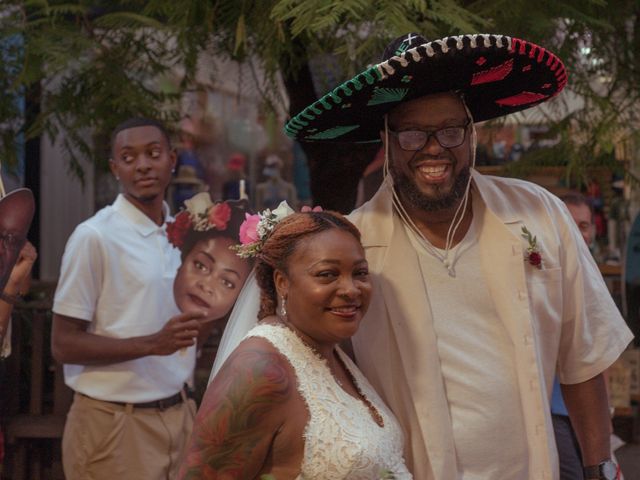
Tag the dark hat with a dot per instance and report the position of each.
(187, 176)
(496, 74)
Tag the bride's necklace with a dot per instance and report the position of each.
(375, 414)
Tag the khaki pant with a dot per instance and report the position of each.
(103, 440)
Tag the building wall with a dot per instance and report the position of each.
(65, 202)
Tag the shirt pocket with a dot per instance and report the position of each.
(545, 297)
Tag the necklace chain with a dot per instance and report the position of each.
(462, 207)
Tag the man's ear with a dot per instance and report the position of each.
(281, 282)
(114, 168)
(383, 138)
(174, 159)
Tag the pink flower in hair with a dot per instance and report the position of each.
(255, 230)
(249, 229)
(306, 209)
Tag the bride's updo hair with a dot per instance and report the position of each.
(281, 244)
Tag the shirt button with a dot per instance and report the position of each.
(522, 295)
(527, 339)
(515, 250)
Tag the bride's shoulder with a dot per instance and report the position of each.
(253, 374)
(257, 356)
(246, 406)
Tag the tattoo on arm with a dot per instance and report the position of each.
(232, 432)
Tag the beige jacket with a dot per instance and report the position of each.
(564, 307)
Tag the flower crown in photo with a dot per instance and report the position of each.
(201, 215)
(255, 229)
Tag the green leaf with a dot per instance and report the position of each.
(128, 20)
(241, 35)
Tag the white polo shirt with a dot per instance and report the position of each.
(117, 273)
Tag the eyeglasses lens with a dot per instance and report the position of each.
(448, 137)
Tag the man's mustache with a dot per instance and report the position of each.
(425, 157)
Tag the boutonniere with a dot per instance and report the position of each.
(533, 252)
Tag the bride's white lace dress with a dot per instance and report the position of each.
(342, 439)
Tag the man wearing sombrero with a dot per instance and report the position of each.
(483, 286)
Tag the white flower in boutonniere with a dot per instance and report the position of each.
(533, 255)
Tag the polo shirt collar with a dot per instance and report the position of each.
(141, 223)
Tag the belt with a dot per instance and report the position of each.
(161, 404)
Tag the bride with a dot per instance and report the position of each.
(288, 403)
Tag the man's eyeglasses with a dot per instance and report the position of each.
(447, 137)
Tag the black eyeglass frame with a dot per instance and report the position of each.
(431, 133)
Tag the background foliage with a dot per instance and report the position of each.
(85, 65)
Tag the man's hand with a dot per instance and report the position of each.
(18, 283)
(72, 343)
(179, 332)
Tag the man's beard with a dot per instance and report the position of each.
(442, 201)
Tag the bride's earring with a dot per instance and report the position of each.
(283, 307)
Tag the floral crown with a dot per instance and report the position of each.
(201, 215)
(256, 228)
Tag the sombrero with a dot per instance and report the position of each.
(496, 74)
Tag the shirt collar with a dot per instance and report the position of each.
(143, 224)
(375, 218)
(495, 198)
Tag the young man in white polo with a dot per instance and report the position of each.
(126, 349)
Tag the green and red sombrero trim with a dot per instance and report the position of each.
(497, 75)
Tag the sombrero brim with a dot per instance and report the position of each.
(497, 75)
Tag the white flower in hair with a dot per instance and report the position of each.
(283, 211)
(199, 207)
(199, 203)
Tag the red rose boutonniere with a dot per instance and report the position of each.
(533, 252)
